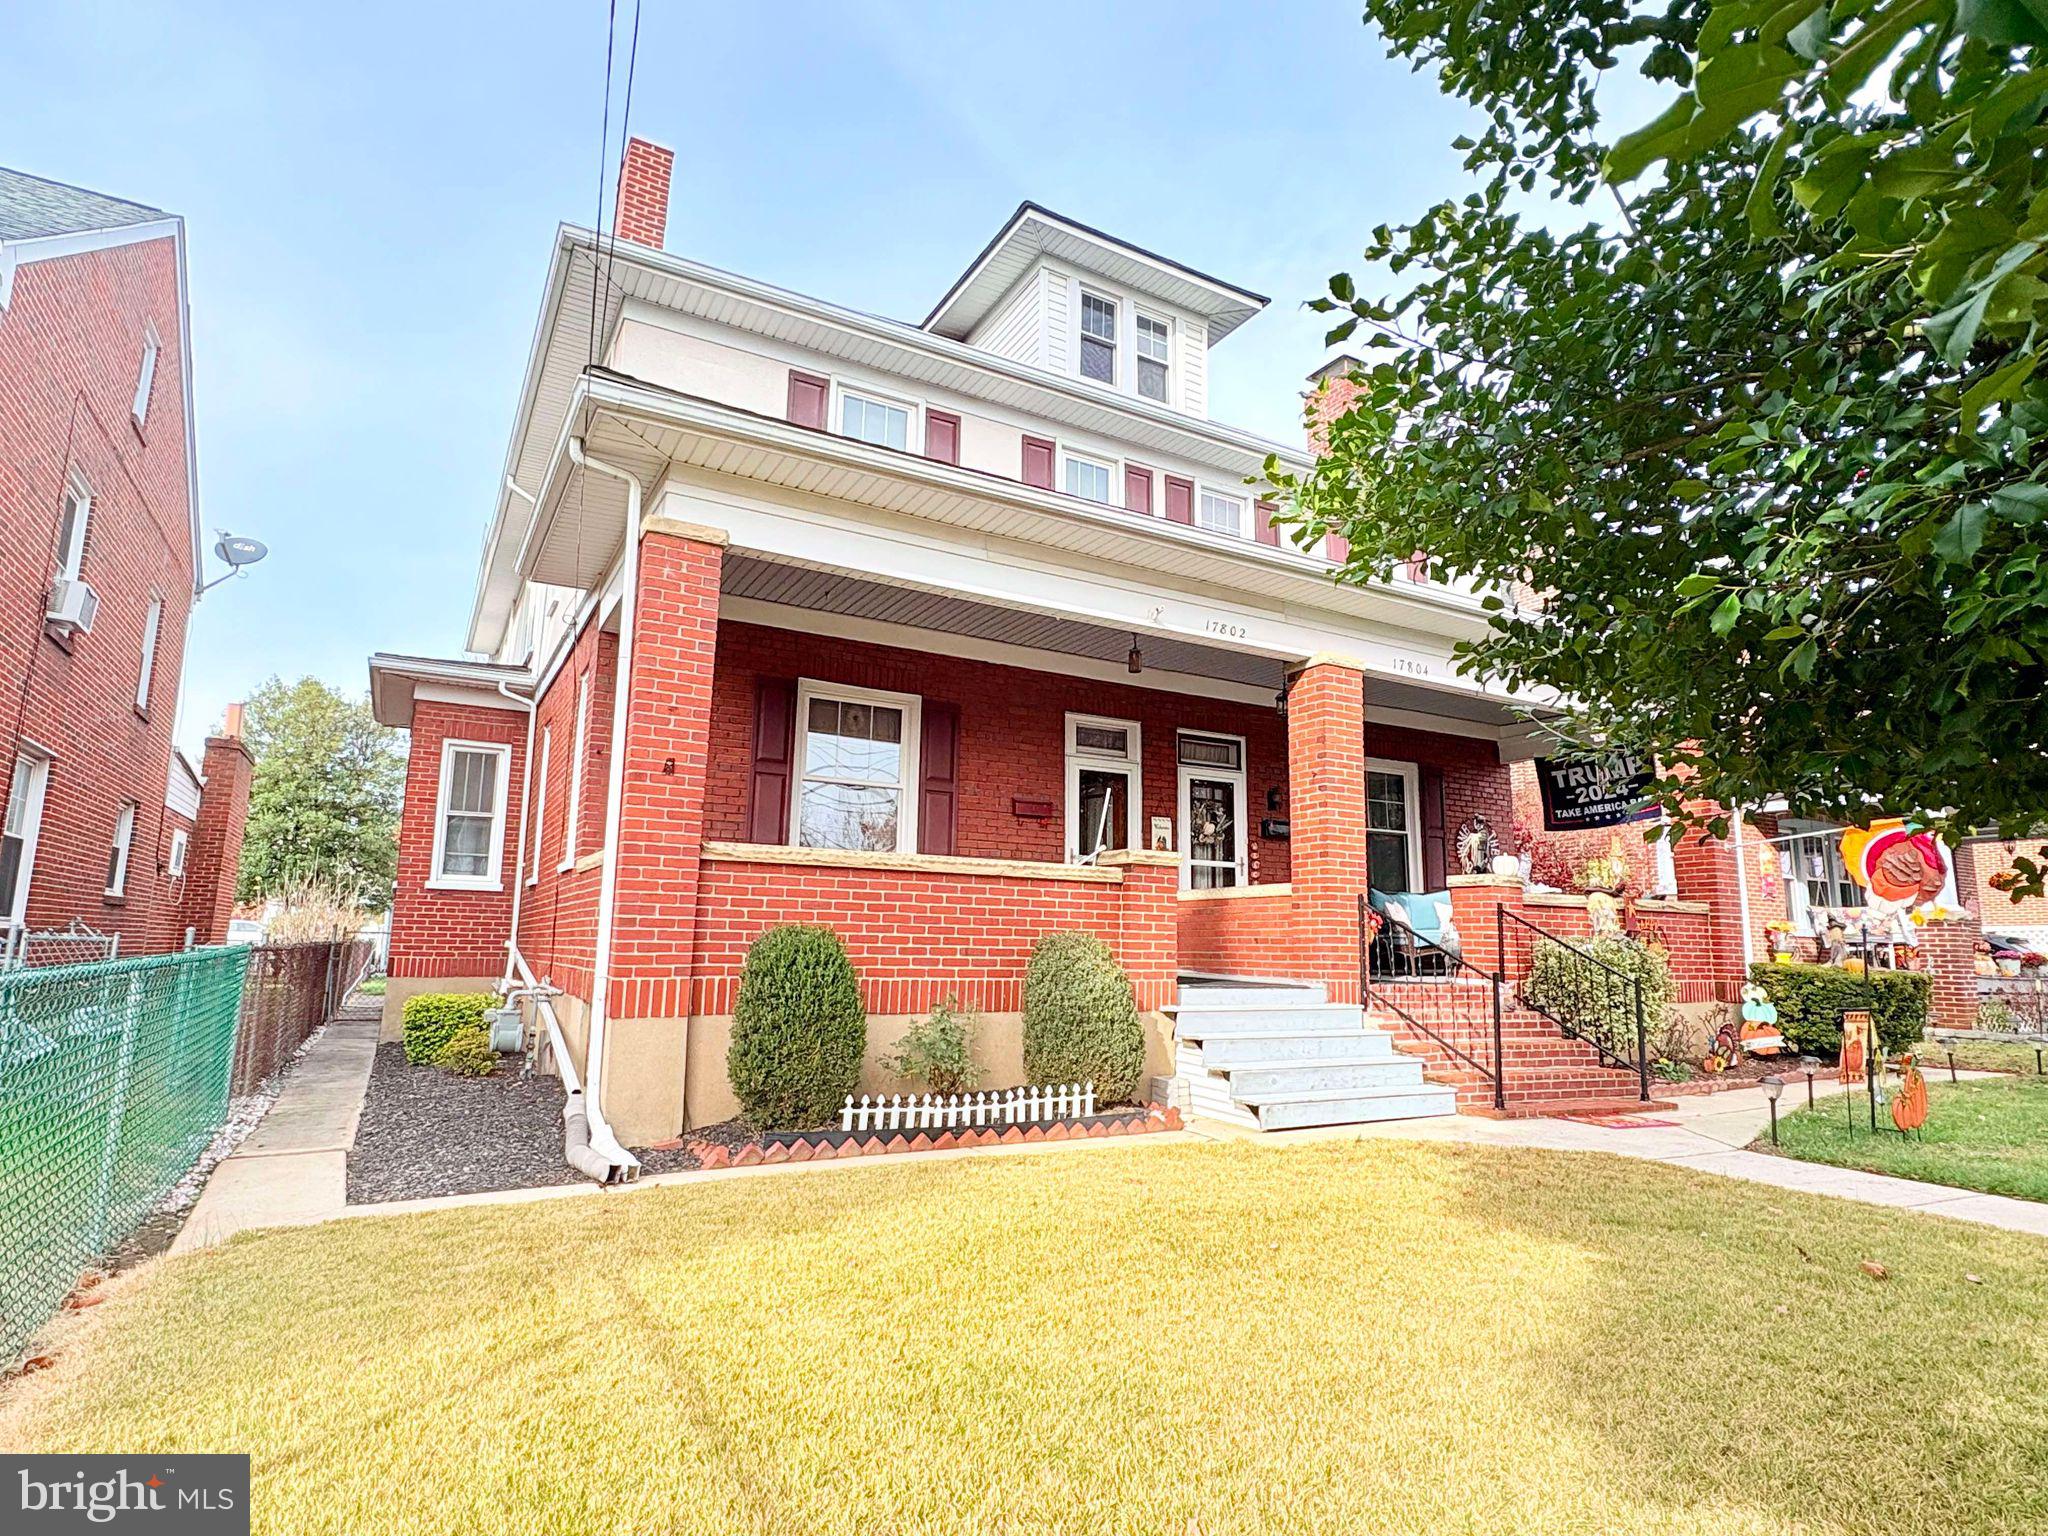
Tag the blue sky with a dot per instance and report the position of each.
(370, 191)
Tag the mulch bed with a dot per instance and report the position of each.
(425, 1132)
(1746, 1073)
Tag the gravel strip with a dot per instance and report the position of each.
(426, 1132)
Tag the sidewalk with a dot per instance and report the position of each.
(293, 1168)
(1706, 1133)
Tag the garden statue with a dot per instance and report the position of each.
(1604, 913)
(1760, 1034)
(1477, 847)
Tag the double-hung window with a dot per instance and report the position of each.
(1155, 343)
(71, 523)
(145, 377)
(1098, 337)
(123, 844)
(874, 420)
(1088, 478)
(18, 837)
(1393, 854)
(579, 745)
(151, 623)
(470, 818)
(857, 749)
(1219, 513)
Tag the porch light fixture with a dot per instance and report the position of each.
(1136, 661)
(1773, 1086)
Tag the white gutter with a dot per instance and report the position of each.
(532, 707)
(601, 1136)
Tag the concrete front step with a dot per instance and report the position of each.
(1352, 1106)
(1230, 1048)
(1257, 1082)
(1245, 994)
(1200, 1018)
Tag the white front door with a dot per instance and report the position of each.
(1212, 811)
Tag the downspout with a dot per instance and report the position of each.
(576, 1148)
(1742, 894)
(532, 708)
(601, 1136)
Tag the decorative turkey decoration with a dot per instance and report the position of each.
(1895, 862)
(1909, 1109)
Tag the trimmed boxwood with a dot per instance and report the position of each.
(431, 1017)
(799, 1029)
(1080, 1018)
(468, 1053)
(1812, 998)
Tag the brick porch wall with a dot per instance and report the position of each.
(1238, 935)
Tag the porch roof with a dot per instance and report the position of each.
(397, 682)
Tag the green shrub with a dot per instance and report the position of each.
(468, 1053)
(1812, 998)
(799, 1029)
(1080, 1019)
(1596, 1000)
(431, 1017)
(938, 1050)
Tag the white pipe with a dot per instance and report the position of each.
(577, 1150)
(1742, 895)
(532, 708)
(615, 779)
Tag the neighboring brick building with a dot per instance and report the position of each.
(99, 569)
(1978, 861)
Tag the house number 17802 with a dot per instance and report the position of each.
(1227, 630)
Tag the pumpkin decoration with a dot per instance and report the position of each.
(1760, 1033)
(1909, 1109)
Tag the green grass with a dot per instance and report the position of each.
(1989, 1135)
(372, 986)
(1979, 1056)
(1341, 1336)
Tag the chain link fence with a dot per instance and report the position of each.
(115, 1078)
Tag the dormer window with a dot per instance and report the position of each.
(1154, 353)
(1219, 513)
(1098, 338)
(874, 420)
(1088, 478)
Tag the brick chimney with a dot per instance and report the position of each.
(215, 859)
(641, 214)
(1329, 396)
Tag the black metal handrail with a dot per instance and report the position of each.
(1576, 1027)
(1373, 931)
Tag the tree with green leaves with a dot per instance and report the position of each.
(325, 795)
(1763, 430)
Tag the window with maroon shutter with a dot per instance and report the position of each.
(768, 786)
(1180, 500)
(1436, 863)
(1138, 489)
(942, 436)
(1038, 454)
(1336, 547)
(1268, 534)
(808, 395)
(938, 789)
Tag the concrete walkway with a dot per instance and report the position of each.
(293, 1168)
(1706, 1133)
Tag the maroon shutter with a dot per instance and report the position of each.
(1038, 462)
(938, 793)
(1436, 864)
(807, 396)
(1138, 489)
(774, 760)
(1263, 516)
(942, 436)
(1336, 547)
(1180, 500)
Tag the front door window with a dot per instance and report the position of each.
(1212, 810)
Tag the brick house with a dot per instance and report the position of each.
(105, 824)
(948, 634)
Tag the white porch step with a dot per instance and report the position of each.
(1257, 1082)
(1353, 1106)
(1234, 1048)
(1200, 1019)
(1227, 994)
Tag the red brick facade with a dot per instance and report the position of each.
(1978, 859)
(71, 343)
(213, 857)
(641, 214)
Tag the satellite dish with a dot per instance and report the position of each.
(239, 552)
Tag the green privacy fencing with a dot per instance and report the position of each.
(113, 1079)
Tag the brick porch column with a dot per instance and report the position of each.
(661, 825)
(1148, 912)
(1948, 952)
(1476, 901)
(1326, 801)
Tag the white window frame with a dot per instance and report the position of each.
(1112, 467)
(181, 850)
(152, 622)
(1116, 334)
(493, 877)
(540, 802)
(31, 828)
(913, 432)
(1131, 765)
(1206, 493)
(1411, 793)
(145, 375)
(911, 704)
(579, 745)
(72, 561)
(1139, 318)
(121, 851)
(1184, 775)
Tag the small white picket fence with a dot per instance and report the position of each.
(951, 1112)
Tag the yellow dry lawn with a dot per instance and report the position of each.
(1344, 1336)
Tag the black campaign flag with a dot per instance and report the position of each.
(1606, 791)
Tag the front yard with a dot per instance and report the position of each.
(1333, 1337)
(1990, 1134)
